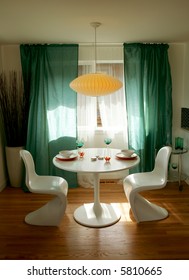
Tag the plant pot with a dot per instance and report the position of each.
(15, 165)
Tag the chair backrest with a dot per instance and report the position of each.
(162, 162)
(29, 165)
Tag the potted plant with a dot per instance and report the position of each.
(14, 114)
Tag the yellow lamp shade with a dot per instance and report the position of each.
(95, 84)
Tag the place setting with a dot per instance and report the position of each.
(126, 155)
(66, 155)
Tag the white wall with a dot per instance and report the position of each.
(9, 60)
(185, 103)
(1, 63)
(176, 59)
(10, 57)
(179, 61)
(3, 177)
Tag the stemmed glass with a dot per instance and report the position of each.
(107, 155)
(80, 144)
(107, 141)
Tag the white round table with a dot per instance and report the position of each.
(96, 214)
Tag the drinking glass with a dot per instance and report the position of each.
(80, 144)
(107, 141)
(179, 141)
(174, 165)
(107, 153)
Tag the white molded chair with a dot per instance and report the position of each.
(51, 213)
(142, 209)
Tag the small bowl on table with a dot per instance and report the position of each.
(127, 153)
(66, 153)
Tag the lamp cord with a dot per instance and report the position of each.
(95, 25)
(95, 51)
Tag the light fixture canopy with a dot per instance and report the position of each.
(95, 84)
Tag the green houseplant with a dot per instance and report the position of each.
(14, 115)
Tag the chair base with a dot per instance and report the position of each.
(143, 210)
(48, 215)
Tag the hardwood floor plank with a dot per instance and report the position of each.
(165, 239)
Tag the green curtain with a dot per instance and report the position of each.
(148, 88)
(52, 125)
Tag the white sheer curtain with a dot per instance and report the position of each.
(112, 110)
(86, 124)
(86, 114)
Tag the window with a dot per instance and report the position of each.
(104, 115)
(114, 69)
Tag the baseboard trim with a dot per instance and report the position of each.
(3, 185)
(187, 180)
(109, 181)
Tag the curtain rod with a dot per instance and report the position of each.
(101, 44)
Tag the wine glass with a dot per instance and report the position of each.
(107, 141)
(107, 154)
(80, 144)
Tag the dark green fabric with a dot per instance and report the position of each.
(52, 126)
(148, 88)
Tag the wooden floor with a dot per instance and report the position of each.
(166, 239)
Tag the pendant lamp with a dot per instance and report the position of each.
(95, 84)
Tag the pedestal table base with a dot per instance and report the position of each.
(86, 216)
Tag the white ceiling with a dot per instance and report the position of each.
(68, 21)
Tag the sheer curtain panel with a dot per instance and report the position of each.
(113, 108)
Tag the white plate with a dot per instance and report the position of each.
(63, 158)
(66, 153)
(122, 156)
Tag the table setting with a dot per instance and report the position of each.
(104, 154)
(96, 161)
